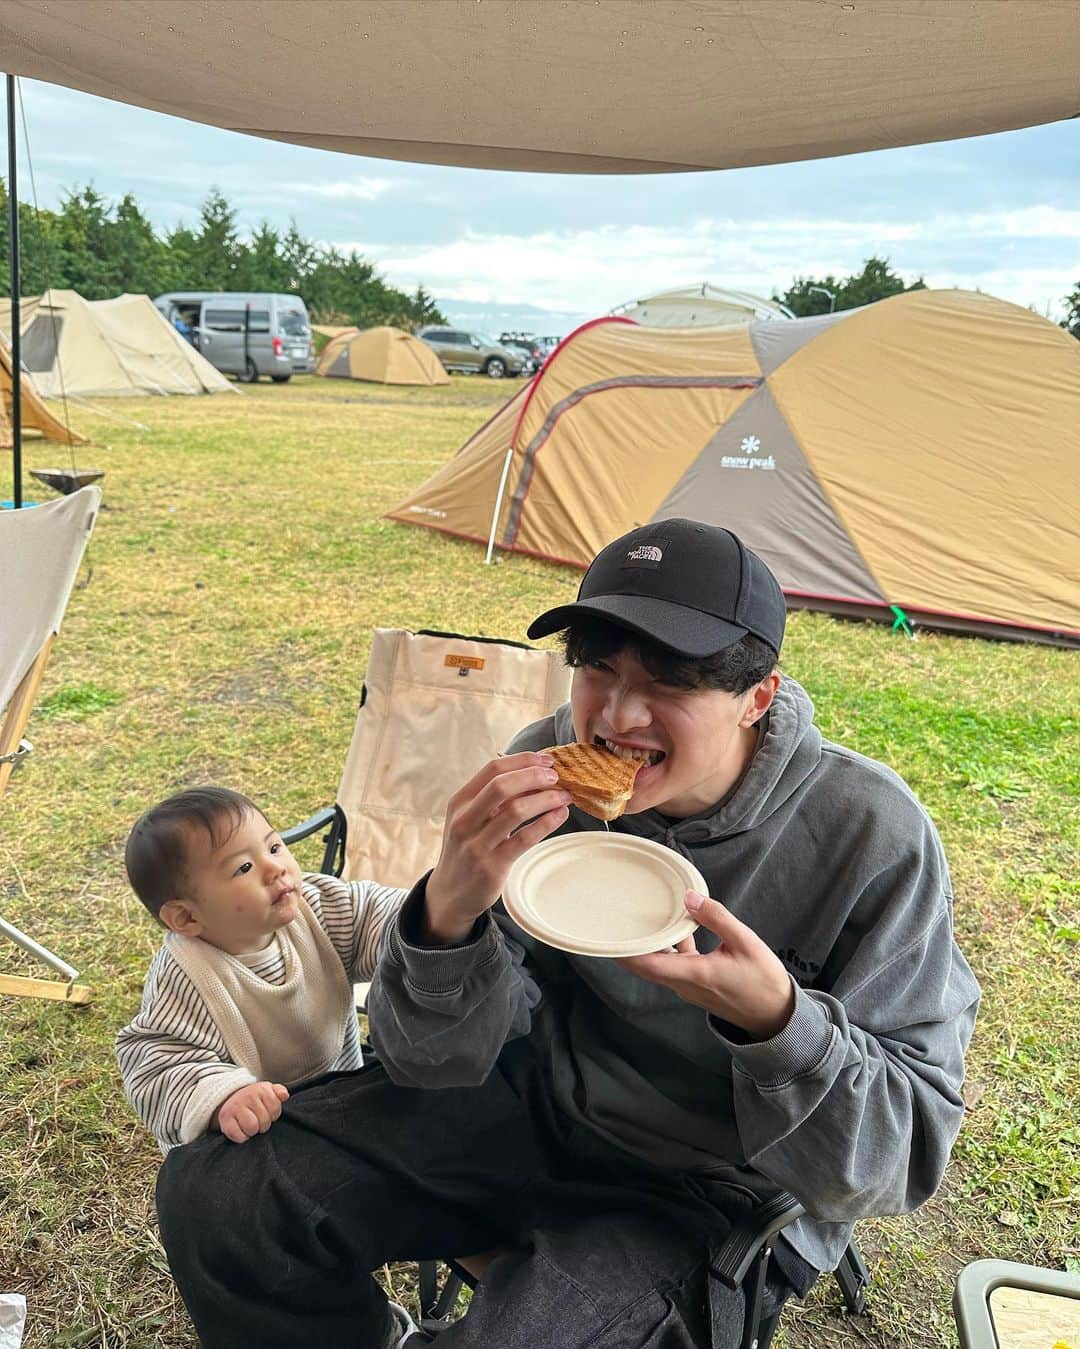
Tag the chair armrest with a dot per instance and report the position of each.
(332, 819)
(975, 1283)
(322, 819)
(747, 1236)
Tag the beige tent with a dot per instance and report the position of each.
(622, 86)
(34, 415)
(75, 347)
(382, 355)
(334, 329)
(922, 452)
(702, 306)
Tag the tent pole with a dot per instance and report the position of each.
(16, 335)
(498, 505)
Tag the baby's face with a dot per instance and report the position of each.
(241, 886)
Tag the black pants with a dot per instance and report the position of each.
(271, 1241)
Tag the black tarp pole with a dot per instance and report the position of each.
(16, 336)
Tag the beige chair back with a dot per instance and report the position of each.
(437, 708)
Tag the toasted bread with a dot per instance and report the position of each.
(599, 782)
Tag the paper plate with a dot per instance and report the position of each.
(601, 894)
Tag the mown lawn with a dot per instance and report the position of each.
(219, 633)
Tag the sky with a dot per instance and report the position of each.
(544, 252)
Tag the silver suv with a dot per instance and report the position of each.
(471, 352)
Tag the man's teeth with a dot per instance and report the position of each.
(648, 756)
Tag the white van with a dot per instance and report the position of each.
(244, 333)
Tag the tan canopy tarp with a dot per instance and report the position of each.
(618, 86)
(33, 414)
(382, 355)
(75, 347)
(922, 452)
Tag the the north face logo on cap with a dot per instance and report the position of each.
(645, 553)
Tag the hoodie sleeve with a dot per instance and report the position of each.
(861, 1090)
(439, 1016)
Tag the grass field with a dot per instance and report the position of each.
(219, 633)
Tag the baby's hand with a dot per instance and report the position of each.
(250, 1111)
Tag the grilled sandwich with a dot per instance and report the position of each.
(599, 782)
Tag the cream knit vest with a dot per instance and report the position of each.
(285, 1032)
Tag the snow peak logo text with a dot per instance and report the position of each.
(644, 555)
(750, 446)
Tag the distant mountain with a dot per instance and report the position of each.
(494, 318)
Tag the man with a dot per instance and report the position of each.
(182, 326)
(602, 1122)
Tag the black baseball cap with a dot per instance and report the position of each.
(692, 587)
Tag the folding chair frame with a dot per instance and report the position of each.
(975, 1283)
(13, 748)
(332, 819)
(744, 1254)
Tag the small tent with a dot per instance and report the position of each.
(922, 452)
(33, 414)
(702, 306)
(382, 355)
(333, 329)
(75, 347)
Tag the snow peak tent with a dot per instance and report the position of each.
(35, 416)
(75, 347)
(921, 452)
(382, 355)
(701, 306)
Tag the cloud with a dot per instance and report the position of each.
(348, 189)
(592, 270)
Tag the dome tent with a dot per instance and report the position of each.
(35, 415)
(382, 355)
(921, 452)
(701, 306)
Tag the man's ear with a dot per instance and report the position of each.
(179, 916)
(760, 699)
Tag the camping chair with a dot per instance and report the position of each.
(40, 552)
(744, 1254)
(999, 1304)
(435, 707)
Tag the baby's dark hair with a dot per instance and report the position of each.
(157, 847)
(734, 669)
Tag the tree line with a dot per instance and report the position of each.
(101, 250)
(809, 295)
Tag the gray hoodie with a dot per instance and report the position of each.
(853, 1107)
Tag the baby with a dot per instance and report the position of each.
(251, 990)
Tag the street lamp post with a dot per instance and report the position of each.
(830, 293)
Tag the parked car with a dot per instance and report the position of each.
(244, 333)
(530, 348)
(472, 352)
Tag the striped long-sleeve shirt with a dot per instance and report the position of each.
(173, 1058)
